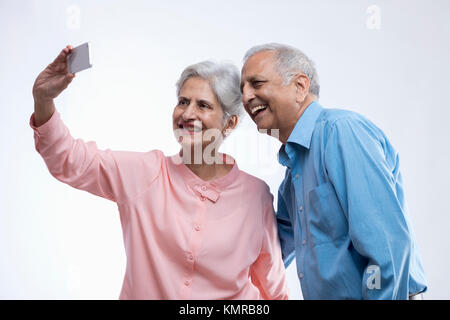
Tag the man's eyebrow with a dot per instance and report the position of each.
(250, 79)
(253, 78)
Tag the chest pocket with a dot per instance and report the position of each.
(326, 219)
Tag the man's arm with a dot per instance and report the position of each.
(356, 163)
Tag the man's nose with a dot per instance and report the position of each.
(247, 95)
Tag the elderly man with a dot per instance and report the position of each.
(341, 206)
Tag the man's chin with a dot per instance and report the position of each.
(261, 125)
(267, 129)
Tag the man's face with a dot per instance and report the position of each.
(269, 102)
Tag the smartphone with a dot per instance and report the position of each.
(79, 58)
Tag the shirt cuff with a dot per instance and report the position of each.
(47, 126)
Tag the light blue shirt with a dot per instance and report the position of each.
(341, 210)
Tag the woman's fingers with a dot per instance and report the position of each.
(66, 81)
(55, 78)
(60, 63)
(69, 77)
(63, 54)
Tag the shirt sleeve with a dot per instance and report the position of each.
(361, 166)
(114, 175)
(267, 272)
(285, 232)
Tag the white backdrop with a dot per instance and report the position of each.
(388, 60)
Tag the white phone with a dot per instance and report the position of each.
(79, 58)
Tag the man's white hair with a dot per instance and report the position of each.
(290, 61)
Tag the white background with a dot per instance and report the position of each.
(388, 60)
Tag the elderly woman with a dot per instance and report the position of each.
(194, 225)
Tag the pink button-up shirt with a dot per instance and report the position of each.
(185, 238)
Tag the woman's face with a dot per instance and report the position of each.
(198, 115)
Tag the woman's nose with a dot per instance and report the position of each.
(189, 113)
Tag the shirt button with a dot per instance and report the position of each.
(300, 208)
(303, 242)
(203, 188)
(197, 228)
(297, 176)
(187, 283)
(190, 257)
(301, 275)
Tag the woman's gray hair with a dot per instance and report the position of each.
(290, 60)
(224, 79)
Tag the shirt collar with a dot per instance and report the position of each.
(205, 189)
(302, 132)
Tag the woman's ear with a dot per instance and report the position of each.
(231, 124)
(301, 82)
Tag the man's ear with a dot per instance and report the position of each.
(301, 82)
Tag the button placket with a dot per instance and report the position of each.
(301, 221)
(194, 244)
(190, 258)
(207, 192)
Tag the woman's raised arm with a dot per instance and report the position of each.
(114, 175)
(49, 84)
